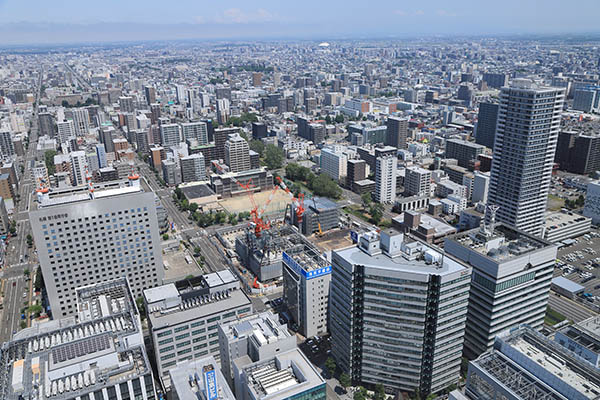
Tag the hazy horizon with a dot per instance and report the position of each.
(70, 22)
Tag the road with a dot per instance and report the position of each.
(569, 308)
(19, 257)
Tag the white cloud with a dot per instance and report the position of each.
(419, 12)
(445, 13)
(400, 12)
(239, 16)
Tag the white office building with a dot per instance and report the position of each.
(417, 181)
(184, 317)
(512, 272)
(334, 163)
(386, 169)
(481, 184)
(170, 135)
(85, 237)
(398, 310)
(237, 153)
(78, 168)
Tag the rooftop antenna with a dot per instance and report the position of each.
(490, 216)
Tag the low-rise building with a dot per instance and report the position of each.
(183, 317)
(524, 364)
(99, 353)
(565, 225)
(199, 380)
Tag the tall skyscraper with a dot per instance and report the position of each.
(526, 137)
(386, 169)
(85, 237)
(397, 131)
(398, 309)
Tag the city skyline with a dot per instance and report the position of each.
(72, 22)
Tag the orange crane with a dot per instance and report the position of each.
(298, 202)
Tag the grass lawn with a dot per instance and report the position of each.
(555, 203)
(553, 317)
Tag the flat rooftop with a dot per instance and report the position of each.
(560, 220)
(81, 193)
(282, 377)
(556, 360)
(193, 298)
(187, 380)
(416, 257)
(70, 359)
(500, 243)
(264, 328)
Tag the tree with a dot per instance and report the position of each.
(38, 284)
(26, 272)
(12, 229)
(257, 146)
(379, 392)
(35, 309)
(65, 103)
(328, 120)
(367, 199)
(330, 365)
(323, 185)
(233, 219)
(376, 211)
(49, 161)
(273, 156)
(165, 236)
(360, 394)
(141, 307)
(580, 201)
(339, 118)
(192, 207)
(345, 380)
(29, 240)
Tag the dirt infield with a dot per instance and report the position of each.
(242, 203)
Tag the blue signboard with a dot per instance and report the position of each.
(354, 236)
(289, 261)
(210, 381)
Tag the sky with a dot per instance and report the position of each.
(69, 21)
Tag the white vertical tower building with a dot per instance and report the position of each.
(334, 163)
(526, 137)
(169, 135)
(66, 130)
(195, 131)
(237, 155)
(385, 179)
(78, 167)
(81, 121)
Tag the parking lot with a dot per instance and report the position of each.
(580, 263)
